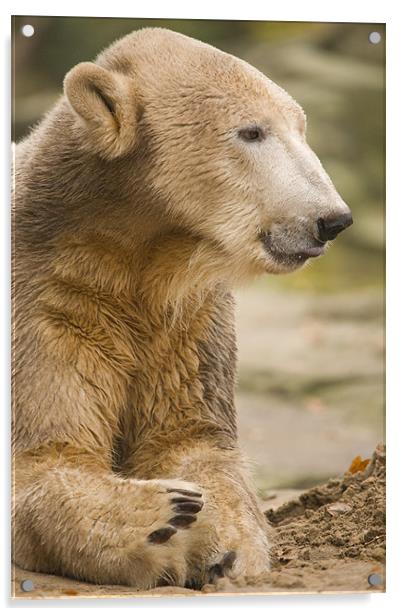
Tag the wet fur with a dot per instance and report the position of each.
(124, 368)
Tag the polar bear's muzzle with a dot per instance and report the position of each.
(291, 249)
(292, 256)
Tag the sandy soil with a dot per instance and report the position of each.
(331, 538)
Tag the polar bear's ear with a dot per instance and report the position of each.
(105, 103)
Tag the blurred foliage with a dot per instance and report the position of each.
(331, 69)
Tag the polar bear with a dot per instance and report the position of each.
(167, 173)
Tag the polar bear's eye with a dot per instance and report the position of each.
(251, 133)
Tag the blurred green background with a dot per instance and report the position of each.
(311, 356)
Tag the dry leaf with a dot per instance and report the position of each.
(69, 591)
(358, 465)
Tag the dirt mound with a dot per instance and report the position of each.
(331, 538)
(343, 518)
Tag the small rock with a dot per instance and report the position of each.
(338, 508)
(337, 540)
(371, 534)
(352, 552)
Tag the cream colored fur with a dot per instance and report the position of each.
(137, 208)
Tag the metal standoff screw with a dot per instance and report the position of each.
(374, 579)
(27, 585)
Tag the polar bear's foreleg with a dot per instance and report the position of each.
(73, 517)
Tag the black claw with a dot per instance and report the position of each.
(182, 521)
(194, 584)
(188, 507)
(162, 534)
(185, 499)
(216, 571)
(185, 492)
(228, 560)
(219, 569)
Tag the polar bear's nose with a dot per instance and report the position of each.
(328, 228)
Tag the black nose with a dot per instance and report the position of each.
(328, 228)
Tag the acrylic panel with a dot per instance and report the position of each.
(198, 307)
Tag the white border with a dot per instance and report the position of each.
(284, 10)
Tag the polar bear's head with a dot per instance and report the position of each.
(226, 151)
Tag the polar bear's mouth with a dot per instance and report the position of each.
(291, 257)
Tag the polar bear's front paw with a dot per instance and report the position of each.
(185, 504)
(154, 531)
